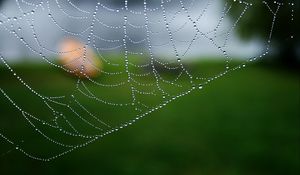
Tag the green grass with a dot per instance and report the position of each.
(244, 123)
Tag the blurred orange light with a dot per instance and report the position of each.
(79, 59)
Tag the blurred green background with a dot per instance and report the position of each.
(244, 123)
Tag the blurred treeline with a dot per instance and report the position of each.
(257, 22)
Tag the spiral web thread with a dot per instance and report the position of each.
(129, 72)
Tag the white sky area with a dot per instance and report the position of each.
(50, 35)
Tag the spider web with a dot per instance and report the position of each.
(129, 42)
